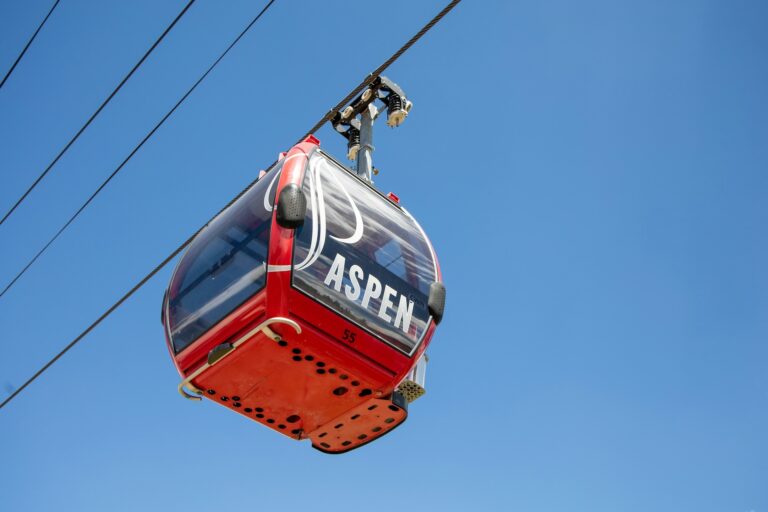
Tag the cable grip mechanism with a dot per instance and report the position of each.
(355, 121)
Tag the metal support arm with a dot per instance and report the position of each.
(359, 133)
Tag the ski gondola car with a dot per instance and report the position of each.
(307, 305)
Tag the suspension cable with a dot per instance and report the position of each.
(21, 55)
(178, 250)
(98, 111)
(132, 153)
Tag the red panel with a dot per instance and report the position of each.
(296, 383)
(366, 348)
(356, 427)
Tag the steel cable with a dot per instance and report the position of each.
(132, 153)
(98, 111)
(21, 55)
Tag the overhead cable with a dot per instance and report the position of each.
(132, 153)
(98, 111)
(21, 55)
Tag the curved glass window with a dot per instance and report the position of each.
(362, 256)
(224, 266)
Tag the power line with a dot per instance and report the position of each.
(98, 110)
(28, 44)
(133, 152)
(162, 264)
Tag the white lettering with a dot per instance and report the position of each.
(336, 274)
(404, 313)
(372, 290)
(355, 273)
(386, 303)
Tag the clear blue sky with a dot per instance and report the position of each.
(594, 176)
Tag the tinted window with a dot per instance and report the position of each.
(362, 256)
(224, 265)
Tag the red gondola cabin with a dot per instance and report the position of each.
(307, 305)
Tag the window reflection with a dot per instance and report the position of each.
(223, 267)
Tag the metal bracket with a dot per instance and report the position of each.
(186, 384)
(359, 133)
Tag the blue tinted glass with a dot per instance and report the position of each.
(224, 266)
(362, 256)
